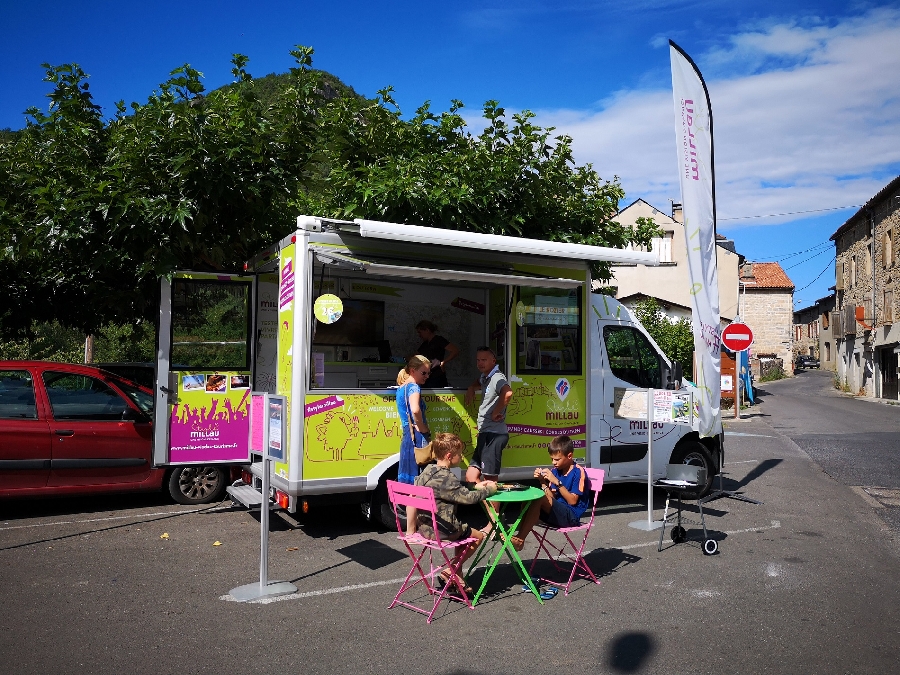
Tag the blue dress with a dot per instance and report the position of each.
(408, 469)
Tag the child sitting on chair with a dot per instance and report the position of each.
(449, 492)
(565, 488)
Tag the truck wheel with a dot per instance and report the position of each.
(695, 453)
(379, 510)
(198, 484)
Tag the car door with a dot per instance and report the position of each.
(97, 437)
(633, 363)
(24, 433)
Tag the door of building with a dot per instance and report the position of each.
(889, 387)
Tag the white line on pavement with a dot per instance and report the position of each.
(738, 433)
(775, 524)
(130, 516)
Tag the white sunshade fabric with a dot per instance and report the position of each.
(503, 243)
(400, 268)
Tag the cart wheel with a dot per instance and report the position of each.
(678, 534)
(710, 546)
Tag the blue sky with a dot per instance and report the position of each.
(806, 95)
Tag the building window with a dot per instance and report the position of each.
(853, 279)
(828, 351)
(798, 334)
(664, 246)
(888, 245)
(888, 306)
(869, 260)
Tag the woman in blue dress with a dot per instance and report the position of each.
(411, 409)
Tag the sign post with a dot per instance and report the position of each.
(267, 433)
(736, 337)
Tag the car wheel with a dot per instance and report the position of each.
(198, 484)
(695, 454)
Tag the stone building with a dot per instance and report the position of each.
(669, 283)
(866, 276)
(768, 308)
(806, 331)
(813, 333)
(827, 345)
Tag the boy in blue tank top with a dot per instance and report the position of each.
(565, 487)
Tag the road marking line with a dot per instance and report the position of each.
(775, 524)
(101, 520)
(743, 461)
(738, 433)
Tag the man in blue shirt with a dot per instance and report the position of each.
(565, 487)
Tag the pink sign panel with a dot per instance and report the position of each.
(214, 431)
(257, 422)
(322, 405)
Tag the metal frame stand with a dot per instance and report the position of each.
(729, 494)
(264, 588)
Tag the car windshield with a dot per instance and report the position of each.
(141, 399)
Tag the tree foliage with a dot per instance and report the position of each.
(675, 338)
(93, 211)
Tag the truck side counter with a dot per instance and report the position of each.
(563, 349)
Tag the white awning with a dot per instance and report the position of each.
(502, 243)
(403, 268)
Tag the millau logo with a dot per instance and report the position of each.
(562, 388)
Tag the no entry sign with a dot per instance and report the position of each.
(737, 337)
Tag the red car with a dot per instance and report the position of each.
(67, 429)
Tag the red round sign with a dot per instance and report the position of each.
(737, 337)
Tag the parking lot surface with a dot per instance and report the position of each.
(804, 583)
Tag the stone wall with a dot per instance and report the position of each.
(769, 313)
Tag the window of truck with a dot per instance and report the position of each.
(632, 357)
(548, 330)
(211, 324)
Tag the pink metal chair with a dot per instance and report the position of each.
(569, 547)
(441, 554)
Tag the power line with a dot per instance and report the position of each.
(794, 213)
(824, 250)
(817, 278)
(791, 255)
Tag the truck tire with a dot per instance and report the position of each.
(379, 510)
(695, 453)
(198, 484)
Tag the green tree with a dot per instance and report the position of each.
(93, 211)
(675, 338)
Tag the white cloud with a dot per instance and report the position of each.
(811, 120)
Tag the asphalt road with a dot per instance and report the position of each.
(856, 441)
(804, 583)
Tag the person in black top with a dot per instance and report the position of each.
(439, 350)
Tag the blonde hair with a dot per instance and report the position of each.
(444, 444)
(415, 363)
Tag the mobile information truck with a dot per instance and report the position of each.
(327, 316)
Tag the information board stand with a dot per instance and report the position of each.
(267, 434)
(653, 405)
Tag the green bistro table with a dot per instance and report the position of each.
(499, 502)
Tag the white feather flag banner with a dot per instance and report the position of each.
(694, 131)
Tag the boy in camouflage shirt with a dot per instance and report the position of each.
(450, 492)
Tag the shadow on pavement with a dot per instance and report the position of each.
(629, 652)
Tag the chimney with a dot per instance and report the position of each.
(676, 213)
